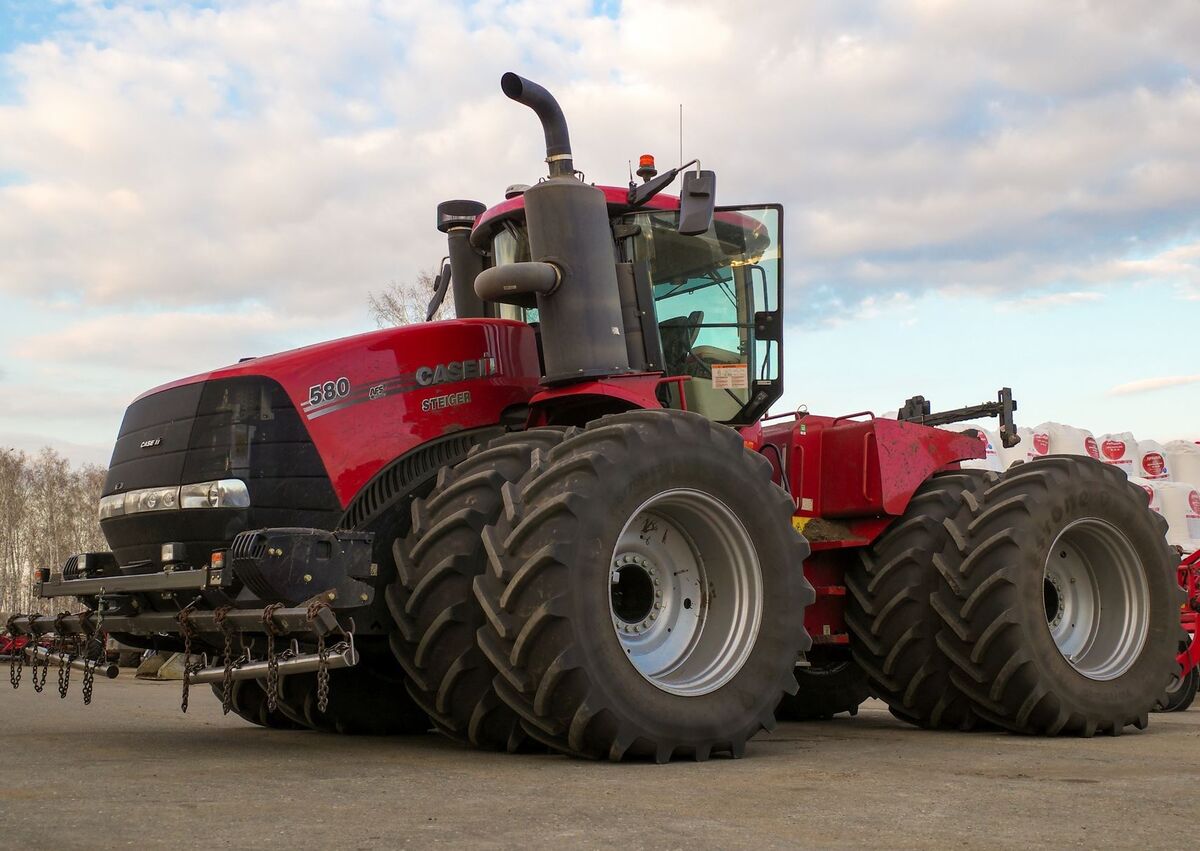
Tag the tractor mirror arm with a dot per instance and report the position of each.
(440, 285)
(640, 194)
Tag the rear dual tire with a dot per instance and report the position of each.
(619, 541)
(1059, 605)
(891, 600)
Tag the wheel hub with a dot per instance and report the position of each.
(636, 593)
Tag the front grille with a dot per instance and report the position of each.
(237, 428)
(249, 545)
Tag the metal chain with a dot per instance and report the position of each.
(219, 617)
(90, 664)
(16, 662)
(34, 644)
(186, 628)
(64, 658)
(314, 610)
(268, 617)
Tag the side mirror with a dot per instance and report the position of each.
(697, 199)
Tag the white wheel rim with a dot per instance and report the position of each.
(685, 592)
(1096, 599)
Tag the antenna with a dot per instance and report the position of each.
(681, 135)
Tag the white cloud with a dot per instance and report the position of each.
(164, 344)
(1041, 302)
(181, 161)
(1146, 385)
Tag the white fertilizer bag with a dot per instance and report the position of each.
(1183, 460)
(1152, 461)
(1121, 451)
(1039, 442)
(1151, 489)
(1023, 451)
(1059, 439)
(990, 441)
(1181, 509)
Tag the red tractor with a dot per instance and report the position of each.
(564, 519)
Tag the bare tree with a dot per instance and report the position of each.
(47, 512)
(406, 303)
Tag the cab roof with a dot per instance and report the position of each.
(513, 209)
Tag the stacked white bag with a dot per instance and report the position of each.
(1181, 509)
(1152, 492)
(1152, 461)
(1183, 460)
(1121, 451)
(1023, 451)
(990, 440)
(1059, 439)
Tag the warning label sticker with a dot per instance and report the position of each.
(730, 376)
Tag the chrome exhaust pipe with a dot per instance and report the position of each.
(341, 656)
(102, 669)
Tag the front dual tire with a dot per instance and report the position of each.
(644, 592)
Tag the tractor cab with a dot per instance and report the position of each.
(713, 309)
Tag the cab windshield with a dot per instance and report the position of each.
(711, 292)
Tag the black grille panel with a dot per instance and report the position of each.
(238, 428)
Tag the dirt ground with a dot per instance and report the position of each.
(132, 771)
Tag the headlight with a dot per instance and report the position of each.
(225, 493)
(112, 506)
(151, 499)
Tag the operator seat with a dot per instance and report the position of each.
(679, 335)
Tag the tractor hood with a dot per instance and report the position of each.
(293, 438)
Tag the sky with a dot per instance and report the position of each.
(976, 194)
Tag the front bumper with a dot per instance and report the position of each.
(300, 584)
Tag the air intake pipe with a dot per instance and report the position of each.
(578, 300)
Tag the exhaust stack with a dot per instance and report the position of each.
(572, 278)
(554, 123)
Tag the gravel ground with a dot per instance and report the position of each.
(132, 771)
